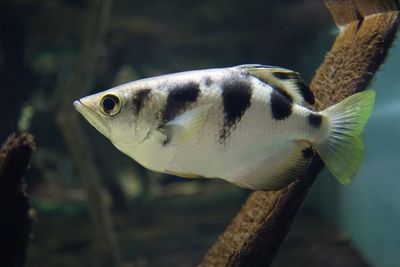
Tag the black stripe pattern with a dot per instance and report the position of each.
(283, 92)
(281, 106)
(305, 90)
(308, 153)
(315, 120)
(138, 99)
(179, 98)
(285, 75)
(208, 81)
(236, 99)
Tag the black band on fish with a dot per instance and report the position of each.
(285, 75)
(208, 81)
(179, 98)
(236, 98)
(139, 98)
(315, 120)
(281, 107)
(308, 153)
(283, 92)
(306, 92)
(289, 82)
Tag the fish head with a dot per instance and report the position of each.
(111, 113)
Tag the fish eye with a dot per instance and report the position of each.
(110, 104)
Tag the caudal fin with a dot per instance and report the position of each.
(343, 150)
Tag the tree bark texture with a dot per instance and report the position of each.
(75, 86)
(367, 30)
(15, 219)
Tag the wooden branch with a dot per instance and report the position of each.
(15, 221)
(367, 29)
(76, 86)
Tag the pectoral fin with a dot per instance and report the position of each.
(185, 126)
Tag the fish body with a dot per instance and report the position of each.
(251, 125)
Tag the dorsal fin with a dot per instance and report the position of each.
(288, 82)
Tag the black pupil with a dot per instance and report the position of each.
(109, 103)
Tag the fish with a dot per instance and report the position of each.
(251, 125)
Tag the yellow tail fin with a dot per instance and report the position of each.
(343, 150)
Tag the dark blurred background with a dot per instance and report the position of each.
(162, 220)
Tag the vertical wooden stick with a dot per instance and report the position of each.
(367, 29)
(15, 221)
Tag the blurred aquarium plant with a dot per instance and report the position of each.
(24, 122)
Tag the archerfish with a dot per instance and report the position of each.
(251, 125)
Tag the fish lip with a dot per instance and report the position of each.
(92, 117)
(78, 104)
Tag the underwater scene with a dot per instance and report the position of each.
(115, 113)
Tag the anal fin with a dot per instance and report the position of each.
(277, 171)
(183, 174)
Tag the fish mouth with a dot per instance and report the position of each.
(94, 118)
(78, 105)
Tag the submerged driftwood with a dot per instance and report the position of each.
(15, 219)
(367, 30)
